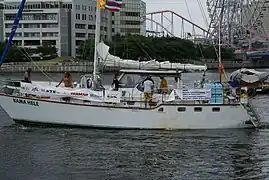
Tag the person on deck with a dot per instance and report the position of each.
(67, 79)
(116, 83)
(27, 75)
(163, 86)
(130, 82)
(148, 85)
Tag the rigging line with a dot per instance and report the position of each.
(203, 12)
(147, 48)
(193, 28)
(84, 49)
(28, 56)
(190, 15)
(141, 48)
(188, 9)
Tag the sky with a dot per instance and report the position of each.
(181, 7)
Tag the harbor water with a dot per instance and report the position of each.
(33, 153)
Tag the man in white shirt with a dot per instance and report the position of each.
(148, 85)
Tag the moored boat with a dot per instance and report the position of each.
(255, 81)
(203, 106)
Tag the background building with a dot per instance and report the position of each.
(66, 23)
(131, 19)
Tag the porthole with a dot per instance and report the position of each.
(216, 109)
(160, 109)
(181, 109)
(198, 109)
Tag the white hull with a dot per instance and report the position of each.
(87, 115)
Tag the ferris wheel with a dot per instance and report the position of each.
(237, 19)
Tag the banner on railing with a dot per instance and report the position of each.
(193, 94)
(190, 95)
(82, 94)
(112, 96)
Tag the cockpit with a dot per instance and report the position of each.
(134, 78)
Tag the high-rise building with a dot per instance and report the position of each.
(65, 23)
(131, 19)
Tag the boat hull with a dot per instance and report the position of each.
(33, 111)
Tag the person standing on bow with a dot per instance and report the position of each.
(27, 75)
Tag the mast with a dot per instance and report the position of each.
(13, 31)
(220, 64)
(96, 38)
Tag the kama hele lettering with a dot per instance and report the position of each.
(27, 102)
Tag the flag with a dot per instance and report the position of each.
(113, 5)
(101, 4)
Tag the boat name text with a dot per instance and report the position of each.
(23, 101)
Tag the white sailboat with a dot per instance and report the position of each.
(84, 106)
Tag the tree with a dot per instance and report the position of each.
(47, 51)
(160, 48)
(86, 50)
(14, 54)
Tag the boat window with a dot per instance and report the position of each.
(181, 109)
(160, 109)
(198, 109)
(14, 83)
(216, 109)
(130, 80)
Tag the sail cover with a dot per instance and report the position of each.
(114, 61)
(249, 75)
